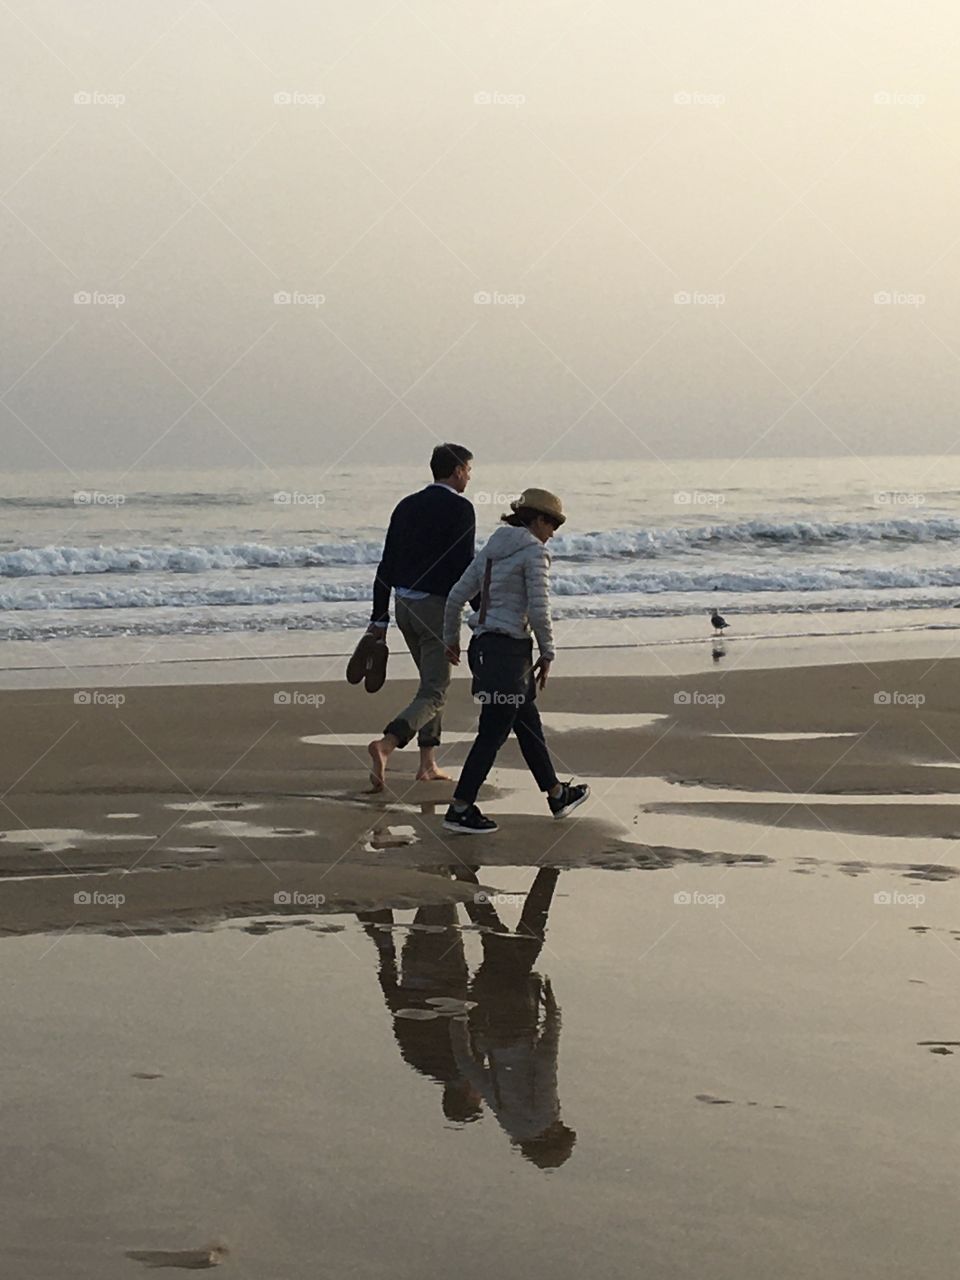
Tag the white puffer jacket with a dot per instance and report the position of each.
(519, 599)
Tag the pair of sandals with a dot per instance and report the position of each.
(368, 663)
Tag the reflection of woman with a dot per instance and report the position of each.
(507, 1052)
(511, 576)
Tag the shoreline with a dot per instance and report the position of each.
(590, 646)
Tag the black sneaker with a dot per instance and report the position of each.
(568, 799)
(469, 820)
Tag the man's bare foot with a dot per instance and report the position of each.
(432, 773)
(378, 754)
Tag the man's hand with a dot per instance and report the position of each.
(541, 670)
(452, 652)
(376, 629)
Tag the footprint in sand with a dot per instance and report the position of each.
(940, 1046)
(187, 1259)
(729, 1102)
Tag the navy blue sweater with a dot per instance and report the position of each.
(428, 546)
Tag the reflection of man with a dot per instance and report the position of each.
(432, 964)
(508, 1050)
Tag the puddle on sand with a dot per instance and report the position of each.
(657, 1064)
(567, 721)
(60, 839)
(207, 806)
(787, 737)
(244, 830)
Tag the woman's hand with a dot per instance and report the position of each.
(452, 652)
(541, 670)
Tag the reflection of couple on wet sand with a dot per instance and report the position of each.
(503, 1052)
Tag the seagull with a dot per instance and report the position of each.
(719, 623)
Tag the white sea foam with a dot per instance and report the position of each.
(59, 561)
(221, 591)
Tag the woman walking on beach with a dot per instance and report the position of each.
(511, 574)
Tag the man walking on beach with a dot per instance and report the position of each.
(429, 544)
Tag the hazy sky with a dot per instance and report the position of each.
(582, 164)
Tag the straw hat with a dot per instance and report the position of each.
(542, 500)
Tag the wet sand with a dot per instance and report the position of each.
(262, 1020)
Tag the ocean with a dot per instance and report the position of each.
(186, 553)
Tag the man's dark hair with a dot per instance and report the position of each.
(446, 458)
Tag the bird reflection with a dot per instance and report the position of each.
(500, 1047)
